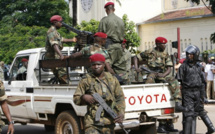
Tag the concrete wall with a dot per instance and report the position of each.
(194, 31)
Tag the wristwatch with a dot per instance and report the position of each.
(10, 122)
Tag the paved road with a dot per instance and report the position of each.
(39, 129)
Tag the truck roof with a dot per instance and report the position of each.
(42, 49)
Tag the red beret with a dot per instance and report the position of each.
(100, 34)
(124, 41)
(161, 40)
(56, 18)
(109, 3)
(181, 61)
(24, 60)
(97, 57)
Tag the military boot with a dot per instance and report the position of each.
(162, 128)
(170, 127)
(208, 123)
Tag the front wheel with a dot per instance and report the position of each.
(67, 123)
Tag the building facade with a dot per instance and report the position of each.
(196, 24)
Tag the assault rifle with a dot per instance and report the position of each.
(83, 37)
(103, 105)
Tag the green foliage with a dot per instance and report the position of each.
(133, 40)
(24, 23)
(91, 26)
(19, 38)
(31, 12)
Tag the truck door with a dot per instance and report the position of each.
(15, 87)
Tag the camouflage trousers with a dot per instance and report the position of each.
(60, 73)
(108, 129)
(118, 61)
(173, 84)
(2, 124)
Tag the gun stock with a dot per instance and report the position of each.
(104, 105)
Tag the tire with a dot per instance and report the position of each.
(67, 123)
(49, 128)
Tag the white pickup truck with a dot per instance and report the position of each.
(32, 98)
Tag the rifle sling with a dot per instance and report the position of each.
(107, 85)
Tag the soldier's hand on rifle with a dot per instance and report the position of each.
(62, 57)
(119, 118)
(161, 75)
(74, 39)
(88, 98)
(138, 70)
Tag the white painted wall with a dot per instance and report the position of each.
(137, 10)
(193, 31)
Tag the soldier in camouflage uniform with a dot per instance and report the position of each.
(5, 108)
(54, 45)
(114, 27)
(109, 88)
(97, 47)
(160, 62)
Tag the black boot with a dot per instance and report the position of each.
(162, 128)
(170, 127)
(208, 123)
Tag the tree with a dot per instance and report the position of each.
(133, 40)
(24, 23)
(34, 12)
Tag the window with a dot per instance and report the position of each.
(202, 48)
(185, 43)
(189, 41)
(145, 45)
(182, 48)
(206, 43)
(19, 68)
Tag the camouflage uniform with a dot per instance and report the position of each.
(114, 97)
(96, 48)
(113, 26)
(160, 61)
(54, 38)
(3, 97)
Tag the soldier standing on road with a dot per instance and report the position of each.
(114, 27)
(109, 88)
(54, 45)
(5, 109)
(160, 62)
(193, 91)
(97, 47)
